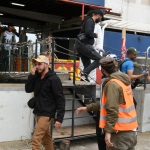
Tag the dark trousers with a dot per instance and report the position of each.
(100, 137)
(125, 140)
(87, 52)
(4, 60)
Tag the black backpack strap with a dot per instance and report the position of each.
(121, 63)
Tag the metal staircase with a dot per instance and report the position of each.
(77, 93)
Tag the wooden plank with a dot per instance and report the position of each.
(78, 131)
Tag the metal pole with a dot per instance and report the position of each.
(74, 88)
(74, 64)
(123, 44)
(83, 11)
(86, 4)
(73, 107)
(36, 48)
(146, 64)
(53, 48)
(30, 55)
(9, 59)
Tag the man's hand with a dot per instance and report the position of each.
(57, 124)
(107, 140)
(33, 70)
(96, 35)
(80, 110)
(13, 30)
(145, 73)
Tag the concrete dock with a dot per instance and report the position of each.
(80, 144)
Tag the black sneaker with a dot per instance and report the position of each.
(84, 77)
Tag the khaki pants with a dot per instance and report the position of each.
(42, 134)
(123, 140)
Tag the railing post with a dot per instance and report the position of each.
(53, 49)
(36, 48)
(74, 88)
(146, 64)
(74, 63)
(9, 61)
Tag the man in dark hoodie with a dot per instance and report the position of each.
(48, 92)
(85, 46)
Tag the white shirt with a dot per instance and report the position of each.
(7, 40)
(98, 41)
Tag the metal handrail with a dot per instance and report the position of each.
(30, 52)
(146, 64)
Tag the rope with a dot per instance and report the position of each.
(112, 48)
(64, 53)
(62, 65)
(64, 48)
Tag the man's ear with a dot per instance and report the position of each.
(129, 55)
(46, 64)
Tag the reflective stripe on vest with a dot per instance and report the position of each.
(122, 120)
(122, 109)
(127, 119)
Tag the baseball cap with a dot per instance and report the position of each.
(96, 11)
(132, 50)
(107, 61)
(41, 58)
(113, 56)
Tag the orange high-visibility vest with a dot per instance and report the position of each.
(127, 118)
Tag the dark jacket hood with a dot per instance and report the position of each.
(49, 73)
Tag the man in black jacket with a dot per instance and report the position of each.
(85, 46)
(48, 92)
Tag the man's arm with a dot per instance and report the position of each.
(89, 26)
(90, 107)
(93, 107)
(112, 102)
(134, 77)
(129, 70)
(29, 86)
